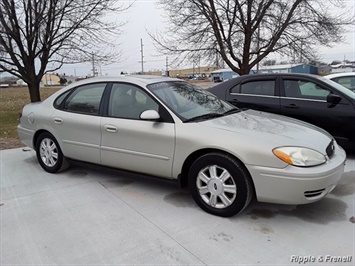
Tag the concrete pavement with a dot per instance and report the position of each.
(94, 216)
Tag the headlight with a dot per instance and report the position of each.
(299, 156)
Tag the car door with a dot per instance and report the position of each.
(131, 143)
(308, 100)
(258, 94)
(76, 122)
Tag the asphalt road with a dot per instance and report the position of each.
(93, 216)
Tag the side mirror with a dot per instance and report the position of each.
(149, 115)
(333, 99)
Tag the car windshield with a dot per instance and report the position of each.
(189, 102)
(339, 87)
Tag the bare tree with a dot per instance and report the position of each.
(38, 36)
(244, 32)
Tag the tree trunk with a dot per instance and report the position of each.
(33, 89)
(244, 69)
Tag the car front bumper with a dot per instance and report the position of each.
(297, 185)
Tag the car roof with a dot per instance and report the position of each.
(230, 83)
(220, 89)
(337, 75)
(139, 79)
(267, 75)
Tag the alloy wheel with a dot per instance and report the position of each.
(216, 186)
(49, 152)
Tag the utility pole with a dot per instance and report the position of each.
(94, 72)
(167, 67)
(142, 62)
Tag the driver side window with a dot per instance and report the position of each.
(128, 101)
(305, 89)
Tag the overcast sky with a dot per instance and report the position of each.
(145, 15)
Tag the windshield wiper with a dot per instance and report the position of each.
(234, 110)
(204, 117)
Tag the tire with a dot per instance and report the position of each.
(49, 154)
(220, 184)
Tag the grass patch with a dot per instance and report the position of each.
(12, 100)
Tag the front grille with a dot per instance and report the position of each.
(313, 193)
(330, 149)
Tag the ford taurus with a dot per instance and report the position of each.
(172, 129)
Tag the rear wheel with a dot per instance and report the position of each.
(49, 154)
(220, 184)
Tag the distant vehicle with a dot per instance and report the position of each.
(197, 76)
(217, 79)
(4, 85)
(346, 79)
(307, 97)
(172, 129)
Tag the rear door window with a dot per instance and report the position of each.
(262, 87)
(85, 99)
(260, 94)
(61, 98)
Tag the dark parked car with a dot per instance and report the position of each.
(310, 98)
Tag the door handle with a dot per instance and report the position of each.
(291, 106)
(110, 128)
(58, 120)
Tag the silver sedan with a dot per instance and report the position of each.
(172, 129)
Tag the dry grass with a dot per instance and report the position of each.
(12, 100)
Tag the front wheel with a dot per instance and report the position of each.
(220, 184)
(49, 154)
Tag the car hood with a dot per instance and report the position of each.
(281, 130)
